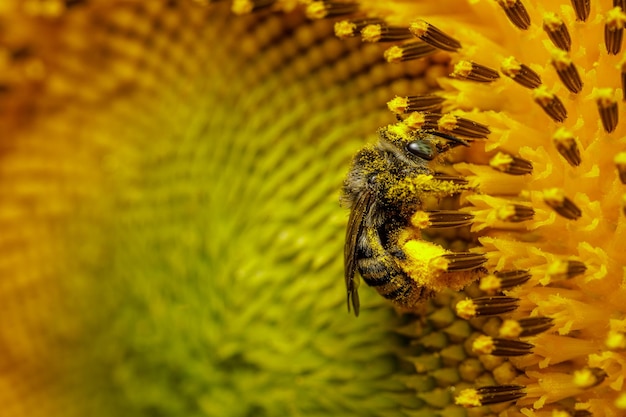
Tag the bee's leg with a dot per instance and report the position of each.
(379, 268)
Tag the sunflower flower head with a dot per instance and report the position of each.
(538, 88)
(171, 229)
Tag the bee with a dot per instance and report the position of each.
(379, 214)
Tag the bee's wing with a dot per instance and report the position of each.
(353, 231)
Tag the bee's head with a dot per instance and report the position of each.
(423, 144)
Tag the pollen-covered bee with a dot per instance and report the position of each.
(384, 189)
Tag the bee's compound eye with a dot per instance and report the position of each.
(421, 149)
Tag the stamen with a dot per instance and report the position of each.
(453, 179)
(422, 120)
(607, 107)
(614, 30)
(409, 51)
(550, 103)
(383, 33)
(566, 71)
(520, 73)
(582, 8)
(472, 71)
(463, 127)
(525, 327)
(426, 102)
(510, 279)
(566, 145)
(486, 306)
(515, 213)
(510, 164)
(464, 261)
(487, 345)
(557, 31)
(566, 269)
(441, 219)
(249, 6)
(555, 198)
(516, 12)
(350, 28)
(589, 377)
(489, 395)
(620, 163)
(490, 284)
(326, 8)
(430, 34)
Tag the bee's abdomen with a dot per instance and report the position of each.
(382, 272)
(374, 272)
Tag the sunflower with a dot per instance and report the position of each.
(171, 232)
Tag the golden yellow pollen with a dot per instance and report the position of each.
(620, 402)
(316, 10)
(345, 29)
(242, 6)
(398, 105)
(620, 163)
(394, 54)
(463, 69)
(421, 220)
(419, 28)
(557, 31)
(483, 345)
(468, 398)
(448, 122)
(323, 9)
(585, 378)
(615, 18)
(615, 340)
(439, 264)
(415, 120)
(466, 309)
(490, 284)
(372, 33)
(510, 329)
(436, 268)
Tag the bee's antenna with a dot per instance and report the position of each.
(449, 137)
